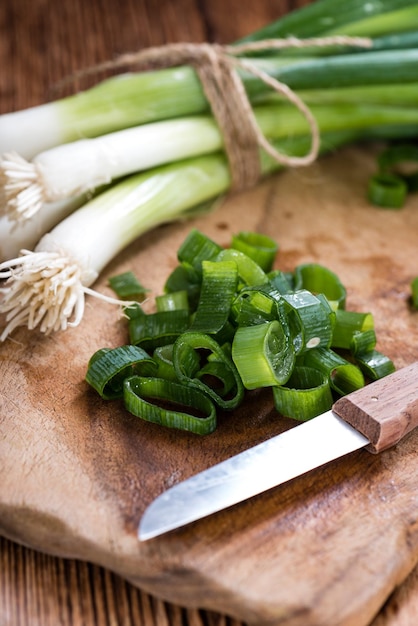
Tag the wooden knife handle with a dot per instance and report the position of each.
(384, 411)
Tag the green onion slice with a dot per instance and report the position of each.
(414, 292)
(306, 394)
(344, 377)
(108, 368)
(225, 334)
(280, 281)
(253, 306)
(319, 279)
(186, 350)
(310, 319)
(163, 357)
(219, 284)
(249, 272)
(388, 191)
(374, 364)
(218, 375)
(156, 329)
(363, 341)
(139, 391)
(196, 248)
(263, 354)
(185, 278)
(127, 286)
(260, 248)
(172, 301)
(347, 324)
(396, 156)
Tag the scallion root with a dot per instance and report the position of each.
(23, 191)
(44, 290)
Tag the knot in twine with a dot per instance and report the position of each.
(216, 66)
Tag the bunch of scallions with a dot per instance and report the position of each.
(84, 176)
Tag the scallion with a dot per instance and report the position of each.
(414, 292)
(46, 288)
(127, 286)
(108, 369)
(80, 167)
(131, 99)
(305, 395)
(148, 398)
(272, 335)
(263, 354)
(387, 190)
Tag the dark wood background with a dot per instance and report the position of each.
(41, 42)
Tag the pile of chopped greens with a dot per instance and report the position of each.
(229, 323)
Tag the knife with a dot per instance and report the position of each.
(375, 417)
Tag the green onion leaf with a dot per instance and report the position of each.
(108, 368)
(156, 329)
(306, 394)
(281, 282)
(127, 286)
(344, 377)
(249, 272)
(196, 248)
(396, 155)
(374, 364)
(172, 301)
(139, 391)
(253, 306)
(190, 344)
(163, 357)
(185, 278)
(362, 341)
(414, 292)
(310, 319)
(264, 354)
(387, 190)
(260, 248)
(219, 284)
(347, 324)
(319, 279)
(218, 375)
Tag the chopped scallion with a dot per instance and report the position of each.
(108, 368)
(374, 364)
(172, 301)
(187, 372)
(347, 324)
(260, 248)
(306, 394)
(270, 335)
(143, 396)
(387, 191)
(126, 285)
(263, 354)
(414, 292)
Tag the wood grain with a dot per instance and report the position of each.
(386, 414)
(63, 494)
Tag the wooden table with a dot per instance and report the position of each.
(42, 41)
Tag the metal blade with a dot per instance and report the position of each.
(266, 465)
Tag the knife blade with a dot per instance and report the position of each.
(375, 417)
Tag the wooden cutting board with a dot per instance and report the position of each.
(77, 473)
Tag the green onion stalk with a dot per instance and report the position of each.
(59, 179)
(55, 154)
(46, 288)
(130, 99)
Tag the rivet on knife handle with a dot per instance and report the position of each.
(388, 413)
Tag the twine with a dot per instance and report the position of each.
(216, 66)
